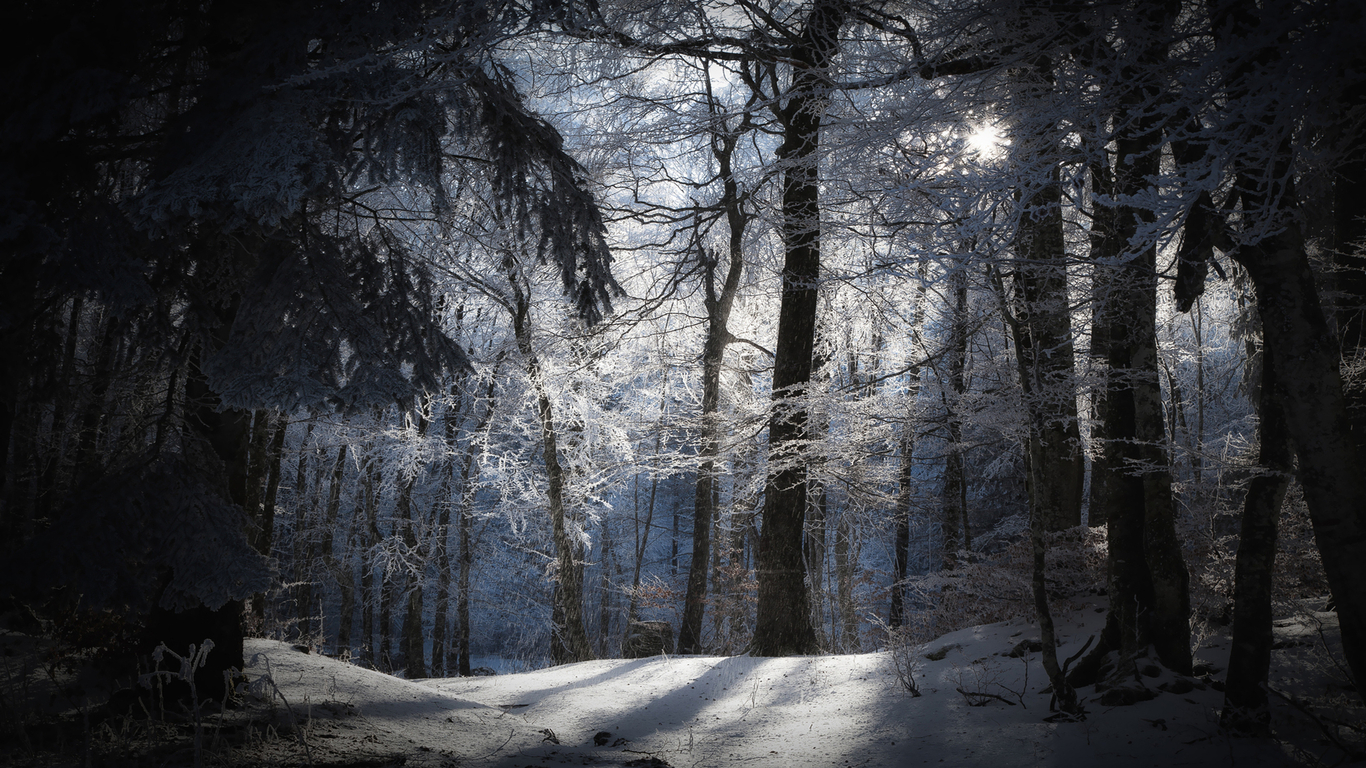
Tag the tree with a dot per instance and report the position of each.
(218, 192)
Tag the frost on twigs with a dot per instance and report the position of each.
(985, 591)
(904, 653)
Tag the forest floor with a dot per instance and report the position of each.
(980, 705)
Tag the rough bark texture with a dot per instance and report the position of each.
(1149, 584)
(1245, 701)
(1302, 351)
(906, 475)
(1046, 347)
(1304, 357)
(783, 622)
(1150, 598)
(955, 491)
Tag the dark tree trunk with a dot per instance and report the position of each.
(906, 475)
(370, 539)
(50, 486)
(1245, 702)
(258, 438)
(1149, 584)
(1302, 351)
(713, 353)
(1349, 262)
(441, 537)
(1150, 599)
(1105, 248)
(265, 527)
(783, 624)
(955, 491)
(333, 565)
(1044, 312)
(305, 517)
(845, 559)
(1304, 359)
(569, 642)
(411, 640)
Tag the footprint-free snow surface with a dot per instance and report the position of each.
(798, 711)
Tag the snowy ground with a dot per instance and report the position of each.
(804, 711)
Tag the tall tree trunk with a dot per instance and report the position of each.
(1349, 262)
(641, 534)
(1245, 703)
(905, 504)
(1064, 696)
(569, 642)
(220, 429)
(955, 491)
(50, 480)
(1304, 359)
(265, 530)
(1044, 312)
(783, 625)
(1105, 249)
(258, 439)
(1150, 586)
(718, 307)
(411, 642)
(845, 561)
(1302, 352)
(334, 566)
(901, 542)
(371, 539)
(441, 536)
(305, 511)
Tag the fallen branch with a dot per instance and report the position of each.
(1353, 754)
(982, 694)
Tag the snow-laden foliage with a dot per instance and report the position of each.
(151, 534)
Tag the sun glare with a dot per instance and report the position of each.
(986, 140)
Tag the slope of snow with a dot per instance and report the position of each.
(798, 711)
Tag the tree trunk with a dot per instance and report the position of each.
(1302, 352)
(1150, 598)
(845, 560)
(265, 530)
(304, 551)
(332, 563)
(1349, 261)
(1044, 312)
(50, 490)
(569, 642)
(783, 625)
(713, 354)
(411, 642)
(1245, 703)
(1304, 359)
(368, 608)
(901, 543)
(955, 491)
(1105, 249)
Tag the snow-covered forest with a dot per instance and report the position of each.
(437, 337)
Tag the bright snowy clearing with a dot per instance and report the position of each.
(803, 711)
